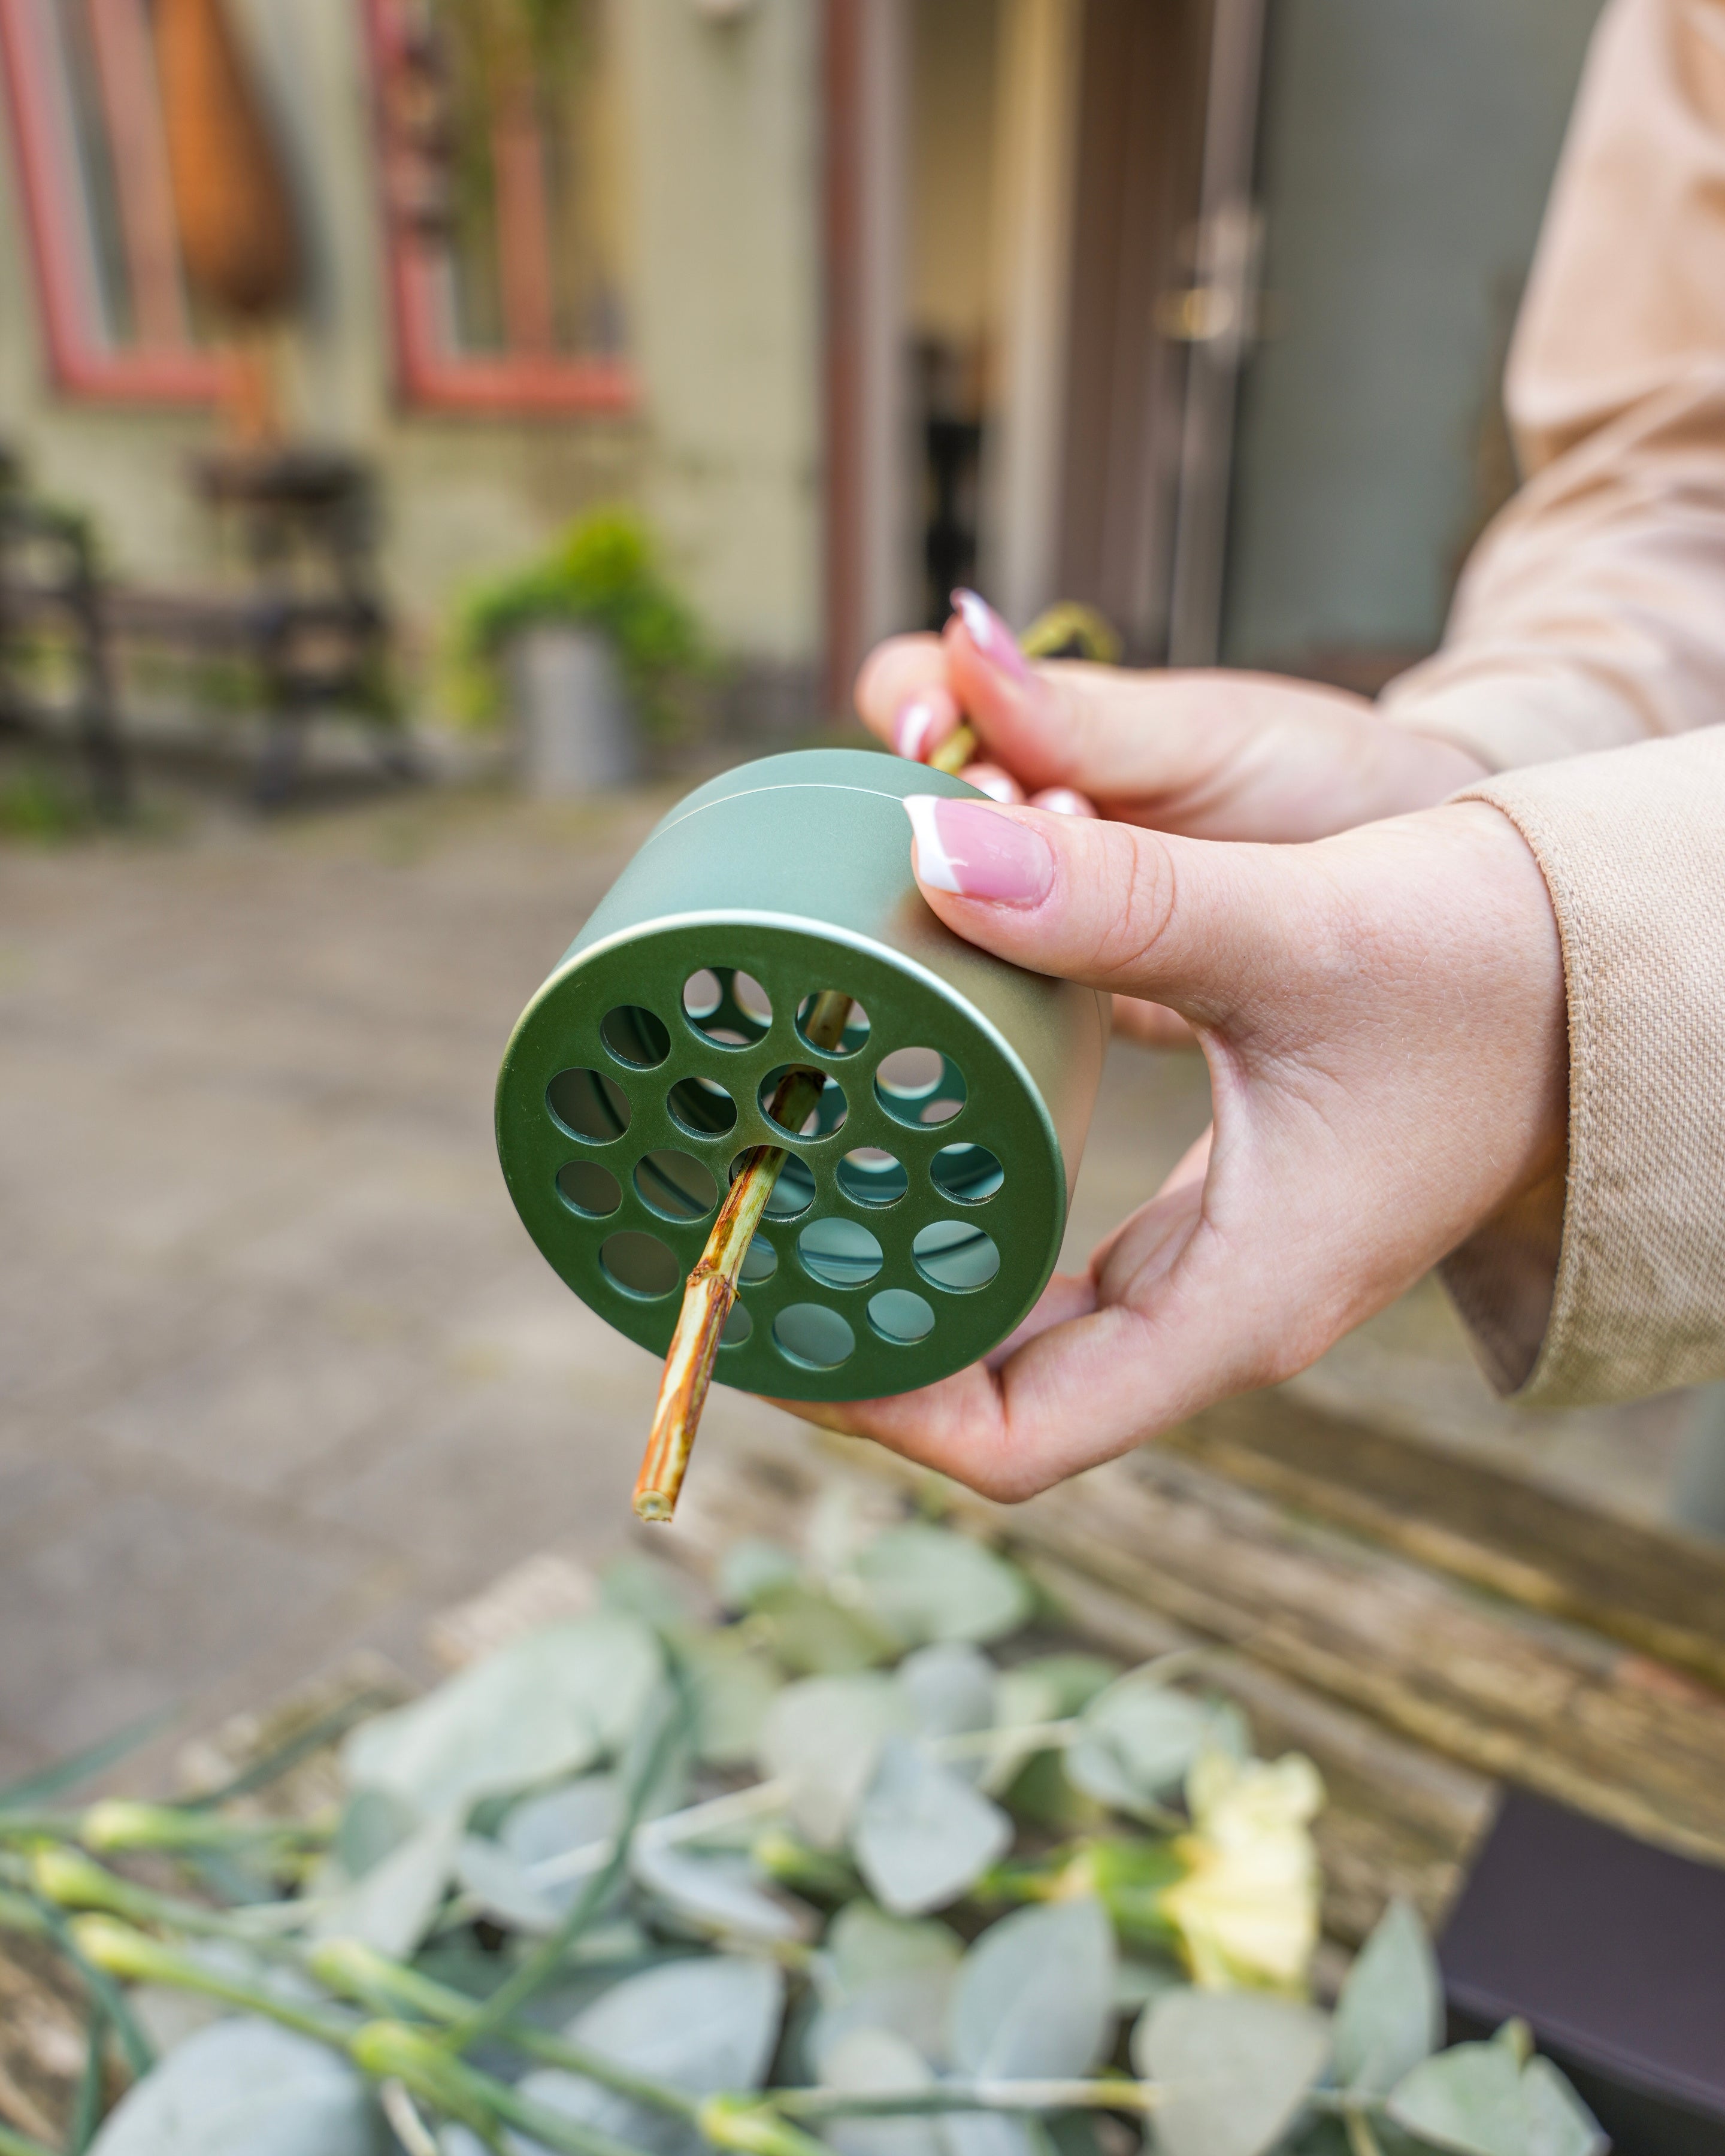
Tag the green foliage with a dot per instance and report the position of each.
(1237, 2068)
(1390, 2015)
(604, 574)
(38, 804)
(245, 2084)
(637, 1882)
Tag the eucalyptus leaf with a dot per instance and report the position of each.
(649, 1588)
(868, 2061)
(1034, 1996)
(749, 1568)
(1390, 2015)
(922, 1835)
(703, 2025)
(1481, 2100)
(1142, 1978)
(497, 1881)
(1137, 1740)
(815, 1636)
(824, 1736)
(994, 2133)
(865, 1947)
(706, 2025)
(847, 1514)
(390, 1907)
(1558, 2122)
(546, 1705)
(734, 1685)
(1235, 2068)
(373, 1825)
(1467, 2101)
(924, 1583)
(1050, 1688)
(542, 1830)
(882, 1973)
(245, 2087)
(1068, 1682)
(951, 1688)
(723, 1894)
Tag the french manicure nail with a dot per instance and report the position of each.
(977, 852)
(990, 635)
(921, 724)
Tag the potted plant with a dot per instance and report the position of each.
(590, 646)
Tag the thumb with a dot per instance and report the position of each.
(1190, 922)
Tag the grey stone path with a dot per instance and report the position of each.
(279, 1372)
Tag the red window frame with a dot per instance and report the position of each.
(81, 362)
(429, 376)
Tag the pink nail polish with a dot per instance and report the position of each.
(979, 852)
(990, 635)
(921, 724)
(998, 784)
(1064, 801)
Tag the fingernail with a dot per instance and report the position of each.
(990, 635)
(979, 853)
(1063, 801)
(998, 784)
(921, 724)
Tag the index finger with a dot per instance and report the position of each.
(896, 673)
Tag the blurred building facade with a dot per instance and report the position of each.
(1191, 308)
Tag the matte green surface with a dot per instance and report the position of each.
(866, 1279)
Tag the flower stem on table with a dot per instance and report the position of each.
(712, 1290)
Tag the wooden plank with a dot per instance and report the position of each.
(1509, 1692)
(1661, 1592)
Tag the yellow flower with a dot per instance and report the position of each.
(1246, 1911)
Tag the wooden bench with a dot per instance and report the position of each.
(49, 586)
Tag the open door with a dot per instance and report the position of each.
(1162, 310)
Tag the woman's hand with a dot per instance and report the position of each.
(1210, 755)
(1383, 1017)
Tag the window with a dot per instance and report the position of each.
(85, 117)
(497, 126)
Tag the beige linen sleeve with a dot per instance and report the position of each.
(1632, 845)
(1591, 617)
(1590, 614)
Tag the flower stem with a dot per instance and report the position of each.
(372, 1980)
(956, 751)
(548, 1958)
(121, 1949)
(1107, 2094)
(712, 1289)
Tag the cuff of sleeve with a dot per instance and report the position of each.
(1632, 847)
(1508, 718)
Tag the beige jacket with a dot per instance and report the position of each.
(1584, 662)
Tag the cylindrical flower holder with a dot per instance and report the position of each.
(921, 1211)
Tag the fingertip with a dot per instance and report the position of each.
(977, 850)
(933, 864)
(998, 784)
(894, 671)
(922, 722)
(1063, 801)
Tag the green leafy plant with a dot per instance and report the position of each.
(771, 1885)
(604, 574)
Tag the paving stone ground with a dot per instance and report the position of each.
(280, 1373)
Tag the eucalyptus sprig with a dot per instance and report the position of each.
(855, 1859)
